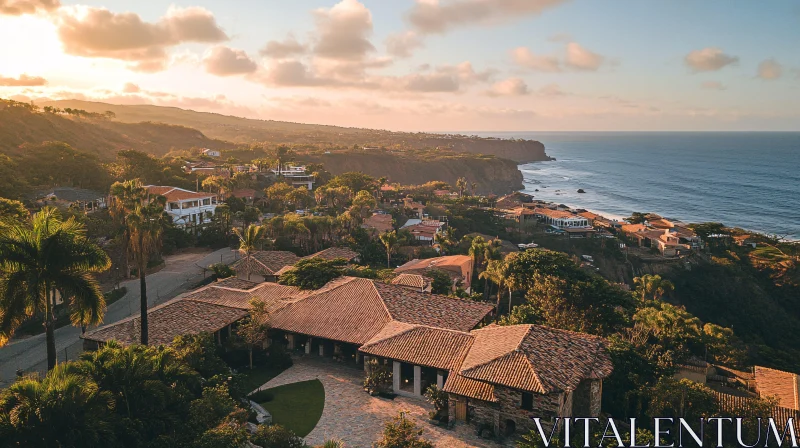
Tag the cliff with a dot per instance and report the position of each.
(520, 151)
(491, 174)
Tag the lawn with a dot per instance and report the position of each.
(253, 379)
(297, 406)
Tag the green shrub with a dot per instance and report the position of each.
(276, 436)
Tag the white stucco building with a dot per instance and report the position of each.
(295, 175)
(186, 207)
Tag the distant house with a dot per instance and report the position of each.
(295, 175)
(424, 230)
(513, 200)
(560, 218)
(416, 207)
(670, 242)
(211, 152)
(458, 267)
(248, 195)
(785, 386)
(745, 240)
(414, 281)
(379, 224)
(184, 206)
(80, 198)
(207, 168)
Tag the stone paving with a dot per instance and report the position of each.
(356, 418)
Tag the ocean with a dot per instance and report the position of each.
(742, 179)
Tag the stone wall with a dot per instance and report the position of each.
(507, 416)
(587, 398)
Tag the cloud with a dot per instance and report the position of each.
(343, 31)
(226, 61)
(130, 87)
(551, 91)
(283, 49)
(22, 81)
(713, 85)
(433, 82)
(580, 58)
(524, 57)
(576, 57)
(100, 33)
(770, 70)
(431, 16)
(294, 73)
(709, 59)
(402, 45)
(509, 87)
(20, 7)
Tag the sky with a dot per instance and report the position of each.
(420, 65)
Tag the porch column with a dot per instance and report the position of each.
(322, 348)
(219, 337)
(308, 346)
(358, 357)
(417, 380)
(290, 338)
(396, 376)
(440, 380)
(366, 364)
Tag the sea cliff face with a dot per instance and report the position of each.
(491, 174)
(520, 151)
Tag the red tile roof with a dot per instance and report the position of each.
(381, 223)
(177, 194)
(333, 253)
(454, 264)
(266, 262)
(411, 280)
(535, 358)
(555, 214)
(782, 385)
(420, 345)
(244, 193)
(169, 320)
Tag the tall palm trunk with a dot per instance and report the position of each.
(49, 327)
(497, 307)
(143, 288)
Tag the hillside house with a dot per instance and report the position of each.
(496, 377)
(211, 152)
(295, 175)
(379, 223)
(457, 267)
(187, 208)
(78, 198)
(416, 207)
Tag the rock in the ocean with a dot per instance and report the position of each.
(580, 190)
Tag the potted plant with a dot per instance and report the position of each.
(439, 399)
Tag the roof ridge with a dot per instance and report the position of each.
(383, 302)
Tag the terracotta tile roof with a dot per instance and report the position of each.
(171, 319)
(350, 310)
(459, 385)
(244, 193)
(782, 385)
(535, 358)
(266, 262)
(333, 253)
(454, 264)
(283, 270)
(381, 223)
(235, 283)
(432, 310)
(633, 228)
(420, 345)
(555, 214)
(422, 230)
(276, 296)
(411, 280)
(176, 194)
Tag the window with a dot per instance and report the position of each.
(527, 401)
(206, 201)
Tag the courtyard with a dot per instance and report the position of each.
(353, 416)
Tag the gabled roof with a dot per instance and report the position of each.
(169, 320)
(420, 345)
(274, 295)
(453, 264)
(176, 194)
(235, 283)
(535, 358)
(412, 281)
(333, 253)
(381, 223)
(266, 262)
(348, 310)
(433, 310)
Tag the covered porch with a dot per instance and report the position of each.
(339, 351)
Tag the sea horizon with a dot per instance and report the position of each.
(715, 176)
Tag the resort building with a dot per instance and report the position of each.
(187, 208)
(296, 176)
(457, 267)
(496, 377)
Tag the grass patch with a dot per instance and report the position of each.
(253, 379)
(297, 406)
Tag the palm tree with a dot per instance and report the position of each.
(474, 186)
(248, 241)
(254, 329)
(652, 287)
(461, 184)
(39, 257)
(495, 272)
(145, 225)
(389, 240)
(125, 197)
(476, 250)
(63, 409)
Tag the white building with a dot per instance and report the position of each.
(561, 219)
(296, 175)
(186, 207)
(211, 153)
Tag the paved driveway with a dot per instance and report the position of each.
(180, 272)
(353, 416)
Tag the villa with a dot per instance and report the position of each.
(457, 267)
(496, 377)
(295, 175)
(184, 206)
